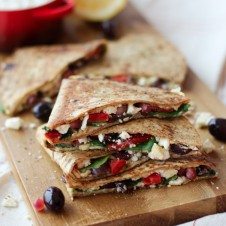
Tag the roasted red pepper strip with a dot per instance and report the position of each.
(98, 117)
(153, 179)
(121, 78)
(135, 139)
(53, 136)
(116, 165)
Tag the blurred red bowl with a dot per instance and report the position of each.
(22, 26)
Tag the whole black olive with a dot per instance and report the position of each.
(122, 155)
(42, 110)
(121, 187)
(109, 29)
(217, 127)
(180, 149)
(54, 199)
(101, 171)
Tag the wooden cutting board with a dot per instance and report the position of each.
(34, 171)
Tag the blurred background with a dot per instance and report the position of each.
(195, 27)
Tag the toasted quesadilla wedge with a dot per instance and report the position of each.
(86, 106)
(144, 59)
(148, 175)
(36, 72)
(119, 148)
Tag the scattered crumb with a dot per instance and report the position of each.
(32, 125)
(14, 123)
(38, 157)
(54, 171)
(29, 153)
(217, 188)
(202, 119)
(208, 146)
(9, 202)
(212, 182)
(3, 128)
(28, 217)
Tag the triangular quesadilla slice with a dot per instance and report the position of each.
(148, 175)
(86, 106)
(144, 59)
(36, 72)
(122, 147)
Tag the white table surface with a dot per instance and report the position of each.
(197, 28)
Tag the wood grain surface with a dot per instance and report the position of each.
(34, 171)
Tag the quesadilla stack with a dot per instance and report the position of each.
(109, 136)
(144, 59)
(122, 147)
(86, 106)
(33, 73)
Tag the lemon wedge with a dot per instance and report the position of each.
(99, 10)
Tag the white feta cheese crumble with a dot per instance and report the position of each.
(164, 142)
(202, 119)
(134, 158)
(121, 189)
(32, 125)
(178, 181)
(177, 90)
(83, 147)
(167, 173)
(208, 146)
(124, 135)
(146, 81)
(126, 119)
(158, 153)
(101, 137)
(130, 152)
(132, 110)
(83, 140)
(9, 201)
(84, 122)
(14, 123)
(110, 110)
(86, 163)
(63, 128)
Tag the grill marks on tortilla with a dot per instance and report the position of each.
(95, 95)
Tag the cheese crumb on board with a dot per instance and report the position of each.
(208, 146)
(202, 119)
(14, 123)
(9, 202)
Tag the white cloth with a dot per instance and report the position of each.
(197, 28)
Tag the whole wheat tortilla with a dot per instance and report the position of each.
(141, 55)
(178, 131)
(40, 68)
(136, 173)
(79, 96)
(75, 193)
